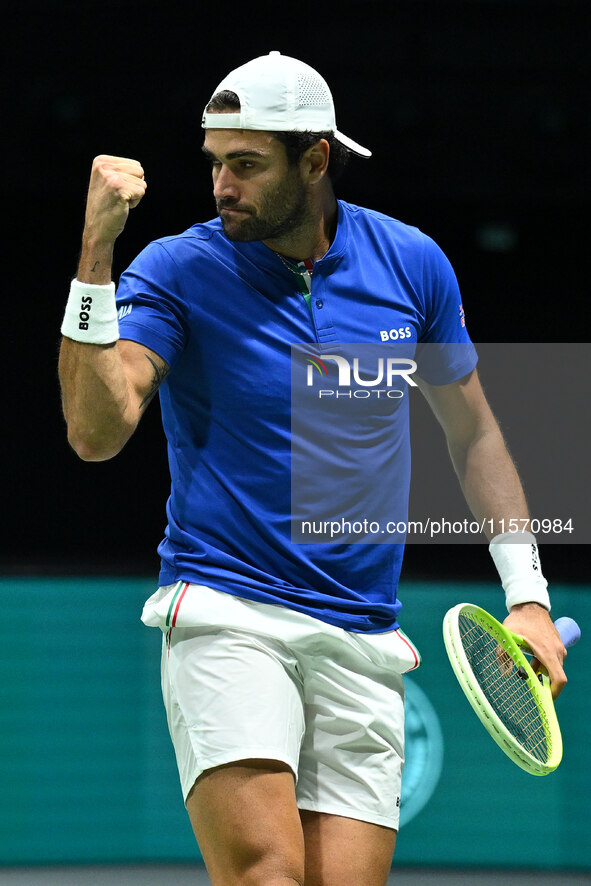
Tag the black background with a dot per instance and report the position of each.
(478, 114)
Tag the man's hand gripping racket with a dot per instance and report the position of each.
(513, 702)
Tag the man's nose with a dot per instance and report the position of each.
(225, 184)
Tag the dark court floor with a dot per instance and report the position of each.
(185, 875)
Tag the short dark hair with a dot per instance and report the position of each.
(295, 143)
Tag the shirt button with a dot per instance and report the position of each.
(319, 303)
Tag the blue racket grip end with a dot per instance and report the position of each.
(570, 632)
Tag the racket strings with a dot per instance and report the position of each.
(507, 692)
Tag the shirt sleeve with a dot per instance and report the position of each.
(445, 352)
(151, 309)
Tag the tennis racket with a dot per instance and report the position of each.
(512, 701)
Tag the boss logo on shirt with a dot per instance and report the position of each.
(395, 334)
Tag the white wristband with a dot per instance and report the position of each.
(516, 557)
(91, 314)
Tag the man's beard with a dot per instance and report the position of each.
(279, 214)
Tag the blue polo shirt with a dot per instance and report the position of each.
(224, 316)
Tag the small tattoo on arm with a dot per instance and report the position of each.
(94, 267)
(160, 373)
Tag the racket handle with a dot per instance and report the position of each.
(570, 632)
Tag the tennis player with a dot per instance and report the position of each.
(282, 663)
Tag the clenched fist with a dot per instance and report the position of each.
(117, 185)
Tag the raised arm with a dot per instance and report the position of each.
(494, 493)
(106, 387)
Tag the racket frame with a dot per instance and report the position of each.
(510, 643)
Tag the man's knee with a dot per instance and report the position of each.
(240, 868)
(267, 874)
(268, 859)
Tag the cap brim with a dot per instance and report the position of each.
(351, 145)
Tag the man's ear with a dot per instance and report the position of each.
(314, 162)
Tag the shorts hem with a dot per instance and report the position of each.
(235, 757)
(347, 812)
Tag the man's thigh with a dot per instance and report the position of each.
(345, 851)
(246, 822)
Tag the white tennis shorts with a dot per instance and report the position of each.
(244, 680)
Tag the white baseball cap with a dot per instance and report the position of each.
(280, 94)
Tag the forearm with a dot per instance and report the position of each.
(96, 260)
(95, 394)
(103, 392)
(495, 495)
(490, 481)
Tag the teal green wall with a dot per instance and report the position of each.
(87, 772)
